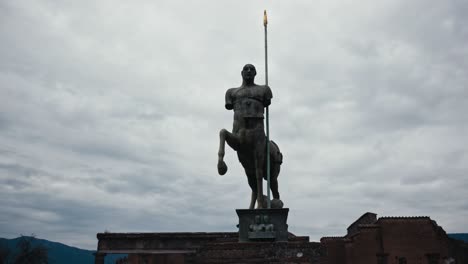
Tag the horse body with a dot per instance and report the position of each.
(250, 144)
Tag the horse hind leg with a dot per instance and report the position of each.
(276, 159)
(274, 173)
(274, 188)
(276, 202)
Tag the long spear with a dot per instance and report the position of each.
(265, 22)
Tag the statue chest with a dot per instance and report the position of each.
(248, 102)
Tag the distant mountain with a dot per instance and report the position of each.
(459, 236)
(59, 253)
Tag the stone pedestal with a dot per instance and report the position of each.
(256, 225)
(205, 248)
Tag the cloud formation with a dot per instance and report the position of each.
(110, 112)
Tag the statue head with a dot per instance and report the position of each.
(248, 73)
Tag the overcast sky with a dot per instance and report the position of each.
(110, 113)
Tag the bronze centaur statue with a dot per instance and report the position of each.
(248, 137)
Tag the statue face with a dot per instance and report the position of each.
(249, 72)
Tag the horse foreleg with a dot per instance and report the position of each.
(252, 179)
(259, 178)
(233, 142)
(222, 167)
(252, 200)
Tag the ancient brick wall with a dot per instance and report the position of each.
(364, 247)
(394, 240)
(158, 259)
(414, 239)
(263, 252)
(367, 218)
(334, 250)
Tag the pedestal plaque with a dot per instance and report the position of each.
(263, 225)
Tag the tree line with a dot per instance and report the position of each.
(25, 253)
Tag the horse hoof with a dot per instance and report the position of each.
(277, 203)
(222, 167)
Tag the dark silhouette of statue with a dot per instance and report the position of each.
(248, 137)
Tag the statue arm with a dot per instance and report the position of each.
(229, 104)
(267, 96)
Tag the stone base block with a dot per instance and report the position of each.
(256, 225)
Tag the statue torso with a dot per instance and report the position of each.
(248, 103)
